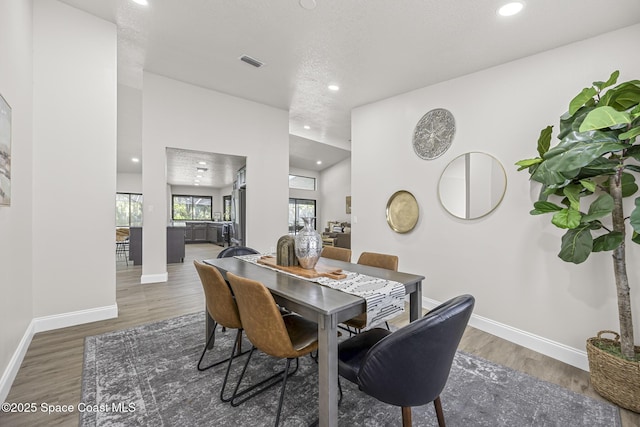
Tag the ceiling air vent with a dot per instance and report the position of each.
(251, 61)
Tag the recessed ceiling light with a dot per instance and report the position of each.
(135, 159)
(196, 180)
(334, 87)
(196, 184)
(198, 176)
(307, 127)
(511, 9)
(142, 2)
(201, 169)
(202, 163)
(319, 162)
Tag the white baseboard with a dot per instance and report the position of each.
(10, 373)
(555, 350)
(47, 323)
(57, 321)
(154, 278)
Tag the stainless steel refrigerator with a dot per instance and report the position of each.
(238, 217)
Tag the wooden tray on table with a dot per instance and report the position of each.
(319, 271)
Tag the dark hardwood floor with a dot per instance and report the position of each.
(52, 368)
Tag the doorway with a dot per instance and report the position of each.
(298, 209)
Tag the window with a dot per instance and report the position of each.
(298, 209)
(191, 208)
(128, 210)
(302, 182)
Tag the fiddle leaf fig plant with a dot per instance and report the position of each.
(586, 176)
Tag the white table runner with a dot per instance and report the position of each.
(385, 298)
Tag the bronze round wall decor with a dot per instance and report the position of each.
(434, 133)
(402, 212)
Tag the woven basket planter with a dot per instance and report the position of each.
(614, 378)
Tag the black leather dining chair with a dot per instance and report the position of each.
(236, 250)
(408, 367)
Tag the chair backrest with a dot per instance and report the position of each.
(232, 251)
(220, 302)
(261, 318)
(410, 366)
(340, 254)
(372, 259)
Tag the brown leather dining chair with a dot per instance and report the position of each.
(286, 336)
(223, 309)
(372, 259)
(340, 254)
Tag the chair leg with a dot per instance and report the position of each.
(439, 413)
(284, 385)
(270, 382)
(236, 345)
(210, 343)
(406, 416)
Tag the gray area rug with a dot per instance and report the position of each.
(147, 376)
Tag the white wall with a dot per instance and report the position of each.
(74, 161)
(16, 310)
(129, 183)
(335, 186)
(129, 127)
(205, 120)
(508, 259)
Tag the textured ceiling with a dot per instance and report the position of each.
(186, 167)
(372, 49)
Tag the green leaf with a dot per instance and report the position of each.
(524, 164)
(635, 217)
(600, 207)
(572, 192)
(578, 150)
(613, 78)
(607, 242)
(629, 189)
(634, 168)
(634, 151)
(572, 123)
(635, 238)
(622, 97)
(567, 218)
(604, 117)
(599, 166)
(629, 186)
(553, 178)
(630, 134)
(543, 207)
(544, 140)
(588, 185)
(576, 245)
(580, 99)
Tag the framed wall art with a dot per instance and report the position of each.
(5, 152)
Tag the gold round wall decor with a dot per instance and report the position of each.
(402, 211)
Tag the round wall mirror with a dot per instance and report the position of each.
(472, 185)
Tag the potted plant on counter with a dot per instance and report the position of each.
(587, 180)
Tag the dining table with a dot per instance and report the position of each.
(327, 307)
